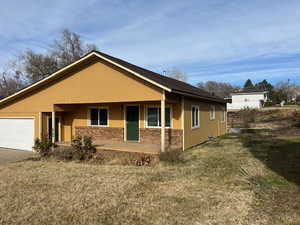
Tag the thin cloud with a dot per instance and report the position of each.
(218, 38)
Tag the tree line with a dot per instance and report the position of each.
(282, 91)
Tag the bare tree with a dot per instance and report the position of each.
(287, 87)
(9, 83)
(177, 74)
(218, 88)
(69, 48)
(38, 66)
(35, 66)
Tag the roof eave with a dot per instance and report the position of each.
(198, 96)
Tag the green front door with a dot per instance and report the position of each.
(132, 123)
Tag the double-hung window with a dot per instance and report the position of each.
(195, 116)
(99, 117)
(153, 116)
(212, 112)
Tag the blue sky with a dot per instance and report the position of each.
(217, 40)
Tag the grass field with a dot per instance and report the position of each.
(249, 178)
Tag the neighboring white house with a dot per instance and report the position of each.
(243, 100)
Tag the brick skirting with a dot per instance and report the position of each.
(101, 133)
(152, 136)
(147, 135)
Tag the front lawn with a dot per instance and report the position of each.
(227, 181)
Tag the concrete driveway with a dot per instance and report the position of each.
(10, 155)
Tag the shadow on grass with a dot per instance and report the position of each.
(281, 155)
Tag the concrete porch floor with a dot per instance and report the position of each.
(123, 146)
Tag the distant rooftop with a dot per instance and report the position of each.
(249, 93)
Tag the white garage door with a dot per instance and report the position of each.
(17, 133)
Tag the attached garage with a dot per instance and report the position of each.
(17, 133)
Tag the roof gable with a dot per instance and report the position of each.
(95, 82)
(163, 82)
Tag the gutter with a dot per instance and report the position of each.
(198, 96)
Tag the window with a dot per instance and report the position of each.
(153, 117)
(223, 115)
(195, 117)
(99, 117)
(212, 112)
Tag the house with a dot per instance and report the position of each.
(120, 105)
(241, 100)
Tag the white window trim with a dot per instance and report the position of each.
(89, 116)
(197, 107)
(157, 106)
(213, 109)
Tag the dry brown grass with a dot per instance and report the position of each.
(243, 179)
(10, 155)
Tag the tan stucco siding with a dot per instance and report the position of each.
(94, 82)
(194, 136)
(81, 116)
(97, 82)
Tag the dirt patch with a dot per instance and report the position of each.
(11, 155)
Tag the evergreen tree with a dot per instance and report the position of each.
(248, 86)
(266, 86)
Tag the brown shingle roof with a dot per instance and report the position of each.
(173, 84)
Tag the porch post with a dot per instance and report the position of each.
(162, 119)
(53, 127)
(40, 125)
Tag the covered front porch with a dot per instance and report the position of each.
(146, 127)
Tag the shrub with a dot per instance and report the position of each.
(269, 104)
(143, 160)
(87, 142)
(77, 142)
(82, 148)
(43, 146)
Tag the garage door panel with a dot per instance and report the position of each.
(17, 133)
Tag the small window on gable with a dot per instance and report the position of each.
(99, 117)
(195, 116)
(212, 112)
